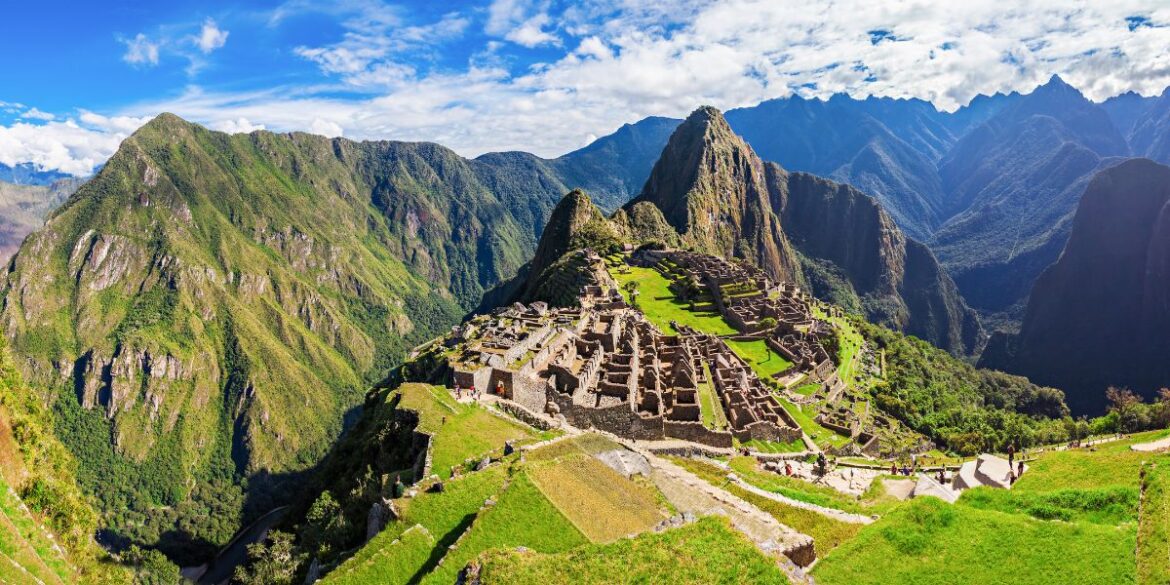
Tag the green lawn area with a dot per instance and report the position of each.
(1153, 552)
(927, 541)
(851, 341)
(460, 431)
(760, 357)
(1108, 505)
(820, 435)
(521, 517)
(807, 389)
(1112, 464)
(708, 551)
(661, 307)
(710, 407)
(793, 446)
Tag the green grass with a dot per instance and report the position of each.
(397, 562)
(794, 446)
(807, 389)
(759, 357)
(24, 542)
(444, 515)
(710, 407)
(588, 443)
(521, 517)
(661, 307)
(1111, 464)
(928, 541)
(1153, 550)
(1109, 505)
(820, 435)
(827, 533)
(460, 431)
(749, 470)
(708, 551)
(601, 503)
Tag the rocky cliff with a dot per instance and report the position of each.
(1100, 315)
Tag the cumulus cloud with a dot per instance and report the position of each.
(70, 146)
(237, 126)
(211, 37)
(140, 51)
(521, 21)
(35, 114)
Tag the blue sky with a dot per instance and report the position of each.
(537, 75)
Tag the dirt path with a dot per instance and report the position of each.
(1159, 445)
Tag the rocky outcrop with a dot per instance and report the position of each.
(712, 188)
(1099, 316)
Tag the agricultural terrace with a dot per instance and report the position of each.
(708, 551)
(459, 431)
(660, 305)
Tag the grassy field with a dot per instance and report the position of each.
(661, 307)
(1110, 464)
(820, 435)
(929, 541)
(521, 517)
(587, 444)
(460, 431)
(1153, 551)
(793, 446)
(807, 389)
(708, 551)
(399, 561)
(600, 502)
(760, 357)
(710, 407)
(1109, 505)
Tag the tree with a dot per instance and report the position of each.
(1129, 408)
(769, 323)
(325, 526)
(151, 567)
(271, 563)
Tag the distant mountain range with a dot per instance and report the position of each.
(23, 208)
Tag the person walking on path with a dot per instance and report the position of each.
(1011, 449)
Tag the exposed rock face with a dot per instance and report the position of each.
(1100, 315)
(559, 269)
(722, 199)
(714, 190)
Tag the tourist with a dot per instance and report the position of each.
(942, 479)
(788, 468)
(500, 388)
(1011, 452)
(893, 468)
(1021, 468)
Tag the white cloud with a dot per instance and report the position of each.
(627, 59)
(211, 37)
(68, 146)
(35, 114)
(521, 21)
(237, 126)
(140, 50)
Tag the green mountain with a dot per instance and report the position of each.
(722, 199)
(209, 306)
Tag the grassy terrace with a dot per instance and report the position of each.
(661, 307)
(1153, 551)
(601, 503)
(929, 541)
(709, 405)
(460, 431)
(522, 517)
(708, 551)
(760, 357)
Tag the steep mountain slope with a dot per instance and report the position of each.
(209, 306)
(1099, 316)
(883, 146)
(1125, 110)
(1012, 185)
(23, 208)
(1150, 134)
(46, 524)
(722, 199)
(714, 191)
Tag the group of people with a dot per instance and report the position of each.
(472, 393)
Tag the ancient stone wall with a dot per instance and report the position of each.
(697, 433)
